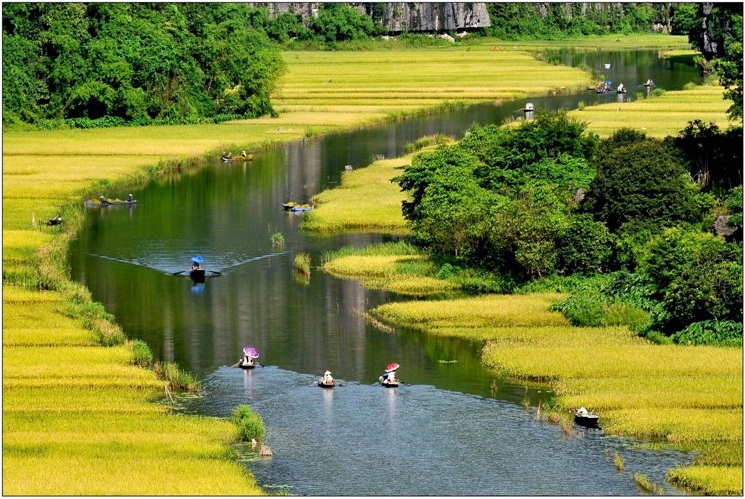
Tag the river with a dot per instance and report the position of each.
(452, 429)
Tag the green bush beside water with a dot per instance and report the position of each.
(250, 425)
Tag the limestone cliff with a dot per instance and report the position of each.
(399, 17)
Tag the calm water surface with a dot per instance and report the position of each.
(452, 429)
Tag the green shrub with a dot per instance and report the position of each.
(142, 354)
(446, 271)
(605, 300)
(278, 240)
(711, 332)
(250, 425)
(176, 377)
(302, 263)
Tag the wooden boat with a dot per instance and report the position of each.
(301, 208)
(246, 365)
(197, 275)
(294, 207)
(586, 418)
(325, 385)
(387, 383)
(97, 203)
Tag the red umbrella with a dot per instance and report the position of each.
(391, 367)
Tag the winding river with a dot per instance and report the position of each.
(451, 429)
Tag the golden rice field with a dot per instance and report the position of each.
(660, 116)
(366, 201)
(78, 418)
(689, 396)
(391, 81)
(383, 272)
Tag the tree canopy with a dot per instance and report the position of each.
(136, 62)
(631, 214)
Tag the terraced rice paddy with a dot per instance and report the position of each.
(367, 200)
(80, 419)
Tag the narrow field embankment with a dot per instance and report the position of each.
(78, 417)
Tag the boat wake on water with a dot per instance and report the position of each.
(177, 268)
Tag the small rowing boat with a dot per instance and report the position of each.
(586, 418)
(197, 272)
(388, 383)
(248, 361)
(97, 203)
(327, 381)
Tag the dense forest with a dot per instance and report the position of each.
(135, 63)
(626, 224)
(110, 64)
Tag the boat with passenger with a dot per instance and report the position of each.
(327, 381)
(388, 378)
(586, 418)
(197, 272)
(248, 361)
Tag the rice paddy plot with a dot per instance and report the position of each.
(660, 116)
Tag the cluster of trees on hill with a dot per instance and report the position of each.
(625, 222)
(135, 62)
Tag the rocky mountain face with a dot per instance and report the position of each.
(435, 17)
(399, 17)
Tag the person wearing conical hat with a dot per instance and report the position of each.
(327, 379)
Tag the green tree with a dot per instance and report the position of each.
(641, 181)
(139, 62)
(286, 26)
(424, 170)
(697, 277)
(337, 22)
(455, 216)
(506, 153)
(585, 247)
(525, 232)
(685, 18)
(715, 157)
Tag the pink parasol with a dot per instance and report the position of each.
(391, 367)
(250, 352)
